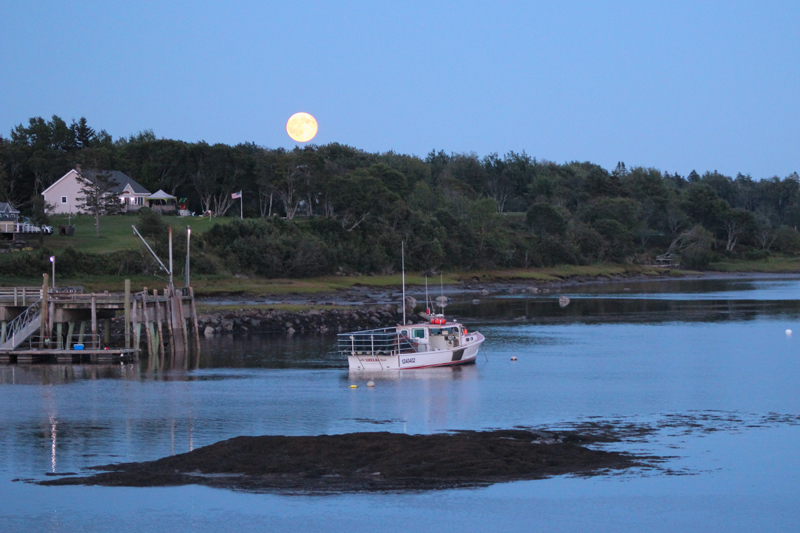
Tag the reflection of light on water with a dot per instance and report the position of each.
(191, 434)
(53, 433)
(446, 373)
(52, 418)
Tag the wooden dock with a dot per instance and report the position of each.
(161, 324)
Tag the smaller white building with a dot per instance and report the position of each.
(64, 193)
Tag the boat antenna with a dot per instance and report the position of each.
(441, 285)
(403, 266)
(427, 299)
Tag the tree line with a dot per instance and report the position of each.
(335, 208)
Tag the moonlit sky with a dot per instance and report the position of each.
(667, 84)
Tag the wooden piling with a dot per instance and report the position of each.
(106, 332)
(94, 315)
(147, 324)
(169, 305)
(157, 309)
(136, 330)
(70, 332)
(127, 313)
(43, 325)
(194, 325)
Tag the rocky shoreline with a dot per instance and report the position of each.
(362, 306)
(324, 321)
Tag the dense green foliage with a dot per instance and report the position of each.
(324, 209)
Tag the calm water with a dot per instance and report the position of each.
(710, 354)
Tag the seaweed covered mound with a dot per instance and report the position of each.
(368, 462)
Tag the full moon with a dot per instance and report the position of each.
(301, 127)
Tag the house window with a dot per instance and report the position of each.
(63, 199)
(138, 200)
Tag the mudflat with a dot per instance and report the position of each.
(370, 461)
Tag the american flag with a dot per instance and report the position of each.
(235, 195)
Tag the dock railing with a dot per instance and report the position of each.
(23, 296)
(384, 341)
(90, 341)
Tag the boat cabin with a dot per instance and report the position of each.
(428, 337)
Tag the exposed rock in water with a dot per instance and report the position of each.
(369, 462)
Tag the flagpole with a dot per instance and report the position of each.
(241, 206)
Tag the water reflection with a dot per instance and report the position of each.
(628, 310)
(449, 373)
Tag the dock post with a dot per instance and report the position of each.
(16, 303)
(59, 331)
(137, 326)
(147, 329)
(3, 331)
(127, 313)
(24, 299)
(160, 326)
(94, 314)
(81, 331)
(70, 332)
(194, 325)
(43, 325)
(51, 315)
(106, 331)
(168, 311)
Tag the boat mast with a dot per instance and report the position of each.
(403, 265)
(441, 285)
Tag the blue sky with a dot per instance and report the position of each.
(672, 85)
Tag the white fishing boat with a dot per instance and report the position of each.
(438, 343)
(429, 344)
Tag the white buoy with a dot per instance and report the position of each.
(514, 358)
(370, 383)
(788, 332)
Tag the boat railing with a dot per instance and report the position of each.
(384, 341)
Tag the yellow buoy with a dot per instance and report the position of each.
(353, 386)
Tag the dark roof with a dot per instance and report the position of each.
(120, 177)
(6, 208)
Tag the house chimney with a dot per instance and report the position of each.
(78, 168)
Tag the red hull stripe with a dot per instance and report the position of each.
(451, 363)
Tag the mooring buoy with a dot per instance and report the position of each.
(514, 358)
(353, 386)
(370, 384)
(788, 332)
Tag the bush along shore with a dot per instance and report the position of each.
(325, 321)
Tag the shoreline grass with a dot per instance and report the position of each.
(220, 285)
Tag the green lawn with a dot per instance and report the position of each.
(115, 231)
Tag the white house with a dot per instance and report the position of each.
(64, 193)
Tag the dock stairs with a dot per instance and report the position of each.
(23, 326)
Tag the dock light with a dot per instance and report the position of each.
(53, 260)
